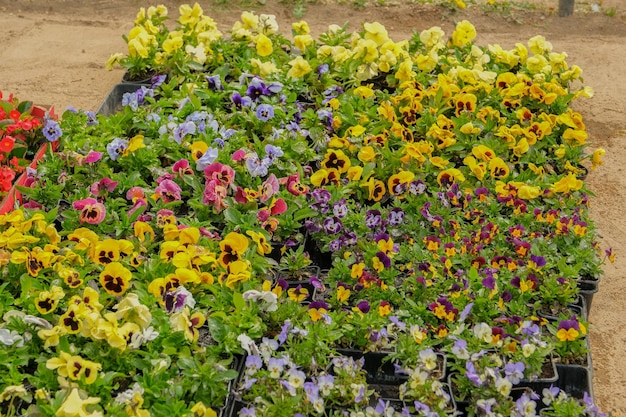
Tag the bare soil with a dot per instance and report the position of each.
(54, 53)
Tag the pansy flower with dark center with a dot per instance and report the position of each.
(115, 278)
(257, 88)
(233, 246)
(323, 177)
(91, 210)
(317, 310)
(71, 321)
(298, 294)
(335, 158)
(570, 330)
(47, 301)
(376, 189)
(107, 251)
(464, 102)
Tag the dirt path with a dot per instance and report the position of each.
(54, 52)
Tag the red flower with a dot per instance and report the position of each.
(7, 143)
(6, 178)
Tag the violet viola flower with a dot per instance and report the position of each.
(275, 366)
(131, 100)
(363, 306)
(326, 383)
(321, 69)
(273, 152)
(240, 101)
(471, 375)
(284, 332)
(372, 219)
(465, 312)
(489, 282)
(215, 83)
(182, 130)
(537, 261)
(312, 391)
(514, 372)
(91, 118)
(257, 167)
(396, 216)
(116, 148)
(348, 238)
(332, 225)
(256, 89)
(326, 116)
(340, 208)
(157, 80)
(525, 405)
(207, 159)
(459, 349)
(417, 187)
(51, 130)
(176, 300)
(265, 112)
(253, 364)
(275, 87)
(247, 412)
(335, 245)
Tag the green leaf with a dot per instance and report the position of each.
(216, 327)
(238, 301)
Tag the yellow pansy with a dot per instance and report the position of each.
(173, 42)
(596, 158)
(189, 15)
(303, 41)
(75, 404)
(301, 28)
(375, 32)
(263, 69)
(463, 34)
(567, 184)
(263, 45)
(299, 68)
(366, 154)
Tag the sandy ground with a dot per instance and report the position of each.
(54, 52)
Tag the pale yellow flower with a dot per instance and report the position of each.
(463, 34)
(299, 67)
(263, 45)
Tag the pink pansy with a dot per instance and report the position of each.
(91, 210)
(222, 173)
(32, 205)
(214, 193)
(182, 168)
(209, 233)
(263, 215)
(103, 186)
(278, 206)
(168, 191)
(139, 202)
(269, 188)
(93, 156)
(239, 155)
(135, 193)
(294, 186)
(241, 196)
(166, 176)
